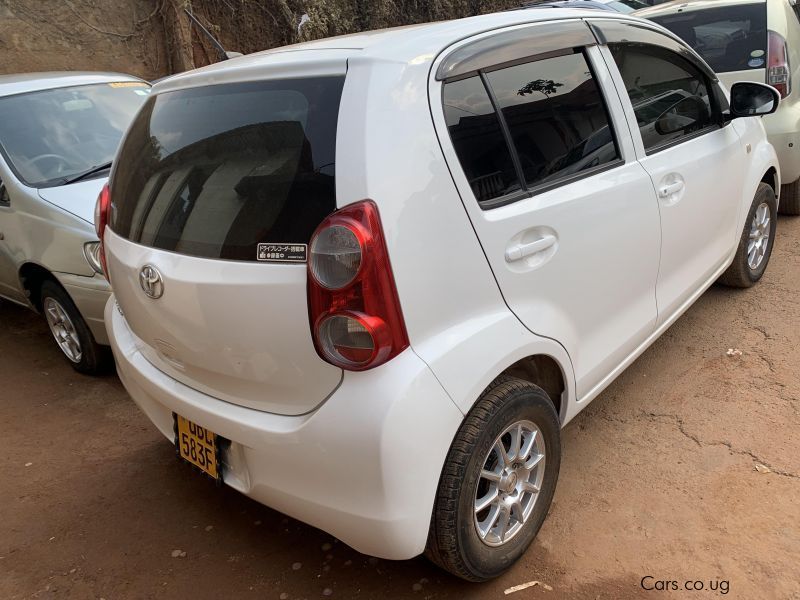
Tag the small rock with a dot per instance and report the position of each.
(326, 568)
(416, 587)
(328, 556)
(256, 523)
(347, 563)
(327, 592)
(209, 527)
(424, 580)
(326, 546)
(71, 571)
(28, 464)
(372, 560)
(763, 468)
(178, 554)
(296, 566)
(284, 596)
(734, 352)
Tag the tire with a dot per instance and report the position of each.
(740, 274)
(790, 199)
(454, 542)
(65, 321)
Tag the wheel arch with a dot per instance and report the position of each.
(32, 275)
(771, 178)
(545, 372)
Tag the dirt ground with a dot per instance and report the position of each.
(686, 469)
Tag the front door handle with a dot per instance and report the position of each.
(670, 189)
(520, 251)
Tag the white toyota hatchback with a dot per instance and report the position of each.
(367, 280)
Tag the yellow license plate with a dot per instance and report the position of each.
(197, 445)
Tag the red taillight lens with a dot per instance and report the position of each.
(101, 210)
(779, 74)
(354, 310)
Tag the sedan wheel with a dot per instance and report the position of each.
(63, 329)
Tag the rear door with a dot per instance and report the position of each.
(215, 196)
(546, 169)
(697, 165)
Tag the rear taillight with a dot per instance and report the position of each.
(101, 210)
(779, 74)
(354, 310)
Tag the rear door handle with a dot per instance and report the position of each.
(520, 251)
(665, 191)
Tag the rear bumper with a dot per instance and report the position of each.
(364, 466)
(90, 295)
(783, 134)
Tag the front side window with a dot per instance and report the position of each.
(51, 136)
(671, 97)
(556, 116)
(730, 38)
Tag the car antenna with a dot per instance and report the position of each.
(223, 54)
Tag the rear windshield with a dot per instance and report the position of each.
(215, 171)
(730, 38)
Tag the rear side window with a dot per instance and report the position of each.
(478, 139)
(670, 96)
(557, 117)
(730, 38)
(527, 127)
(214, 171)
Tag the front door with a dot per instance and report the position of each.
(683, 148)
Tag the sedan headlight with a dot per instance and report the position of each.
(92, 253)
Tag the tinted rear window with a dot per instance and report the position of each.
(214, 171)
(730, 38)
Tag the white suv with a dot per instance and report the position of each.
(366, 281)
(750, 40)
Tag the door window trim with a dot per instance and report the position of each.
(527, 191)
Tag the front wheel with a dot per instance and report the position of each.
(756, 241)
(497, 483)
(71, 333)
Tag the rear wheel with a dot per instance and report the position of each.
(497, 483)
(755, 244)
(790, 199)
(71, 333)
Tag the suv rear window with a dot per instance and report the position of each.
(730, 38)
(214, 171)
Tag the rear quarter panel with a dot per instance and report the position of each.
(388, 151)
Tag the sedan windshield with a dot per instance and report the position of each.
(52, 136)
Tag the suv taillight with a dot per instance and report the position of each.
(353, 306)
(779, 75)
(101, 220)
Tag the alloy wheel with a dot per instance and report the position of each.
(509, 483)
(63, 329)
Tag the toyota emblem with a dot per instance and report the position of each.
(151, 282)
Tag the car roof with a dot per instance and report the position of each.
(598, 4)
(21, 83)
(415, 44)
(690, 5)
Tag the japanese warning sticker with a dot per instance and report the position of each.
(282, 252)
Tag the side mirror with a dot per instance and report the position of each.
(685, 115)
(750, 99)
